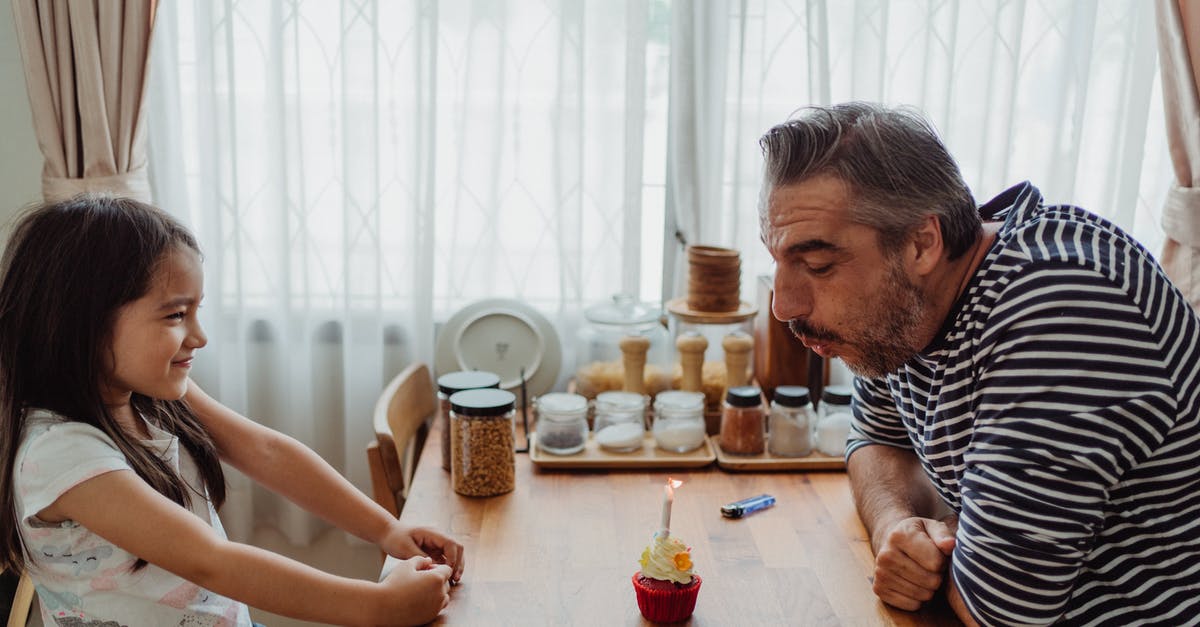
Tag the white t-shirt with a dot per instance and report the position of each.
(82, 580)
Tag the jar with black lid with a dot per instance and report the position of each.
(790, 425)
(447, 385)
(481, 439)
(743, 424)
(833, 422)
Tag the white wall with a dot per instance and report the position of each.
(20, 159)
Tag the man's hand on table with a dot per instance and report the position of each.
(403, 542)
(911, 560)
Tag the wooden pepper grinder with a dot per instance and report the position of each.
(737, 358)
(633, 352)
(691, 360)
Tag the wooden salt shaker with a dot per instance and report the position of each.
(737, 359)
(633, 352)
(691, 360)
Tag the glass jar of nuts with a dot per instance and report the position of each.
(482, 437)
(451, 383)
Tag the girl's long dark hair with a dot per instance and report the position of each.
(68, 267)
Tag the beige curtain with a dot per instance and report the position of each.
(85, 69)
(1179, 52)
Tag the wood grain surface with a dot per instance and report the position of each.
(561, 548)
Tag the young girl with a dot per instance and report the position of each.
(110, 455)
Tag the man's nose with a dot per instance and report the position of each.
(792, 297)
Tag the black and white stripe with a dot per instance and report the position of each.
(1058, 415)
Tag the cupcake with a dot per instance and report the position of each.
(666, 588)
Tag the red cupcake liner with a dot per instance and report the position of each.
(666, 604)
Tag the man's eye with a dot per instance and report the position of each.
(821, 270)
(176, 316)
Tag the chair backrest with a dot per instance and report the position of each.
(401, 421)
(18, 612)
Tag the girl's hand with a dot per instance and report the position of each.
(404, 542)
(415, 591)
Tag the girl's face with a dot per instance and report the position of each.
(155, 336)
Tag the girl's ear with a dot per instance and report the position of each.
(926, 246)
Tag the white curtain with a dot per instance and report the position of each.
(358, 170)
(1059, 92)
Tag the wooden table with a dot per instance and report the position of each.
(562, 547)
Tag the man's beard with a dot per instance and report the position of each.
(890, 330)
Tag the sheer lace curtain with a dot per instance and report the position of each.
(1062, 93)
(358, 170)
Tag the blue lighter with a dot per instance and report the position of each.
(745, 507)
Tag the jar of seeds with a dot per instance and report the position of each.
(561, 423)
(481, 439)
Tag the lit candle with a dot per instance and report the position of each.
(668, 500)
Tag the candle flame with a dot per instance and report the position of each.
(674, 483)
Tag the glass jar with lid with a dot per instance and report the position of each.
(561, 423)
(833, 420)
(790, 424)
(679, 420)
(743, 423)
(620, 424)
(450, 383)
(599, 365)
(482, 435)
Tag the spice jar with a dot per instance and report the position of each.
(743, 424)
(833, 422)
(561, 423)
(620, 421)
(450, 383)
(679, 420)
(481, 441)
(790, 425)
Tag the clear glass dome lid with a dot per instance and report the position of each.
(623, 309)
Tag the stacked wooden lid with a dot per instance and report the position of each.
(714, 279)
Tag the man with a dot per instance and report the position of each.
(1027, 431)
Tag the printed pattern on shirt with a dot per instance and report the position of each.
(1058, 416)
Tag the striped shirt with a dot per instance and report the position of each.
(1057, 414)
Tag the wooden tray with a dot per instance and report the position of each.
(650, 456)
(767, 461)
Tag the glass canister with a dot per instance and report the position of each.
(561, 423)
(620, 421)
(481, 438)
(833, 420)
(447, 385)
(679, 420)
(599, 365)
(743, 422)
(790, 424)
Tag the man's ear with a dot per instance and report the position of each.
(925, 246)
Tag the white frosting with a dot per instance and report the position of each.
(667, 558)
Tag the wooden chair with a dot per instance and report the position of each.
(18, 613)
(401, 420)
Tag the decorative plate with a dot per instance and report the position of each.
(503, 336)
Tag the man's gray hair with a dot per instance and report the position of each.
(896, 169)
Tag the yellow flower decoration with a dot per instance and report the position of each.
(683, 561)
(645, 557)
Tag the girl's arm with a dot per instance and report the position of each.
(151, 526)
(287, 467)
